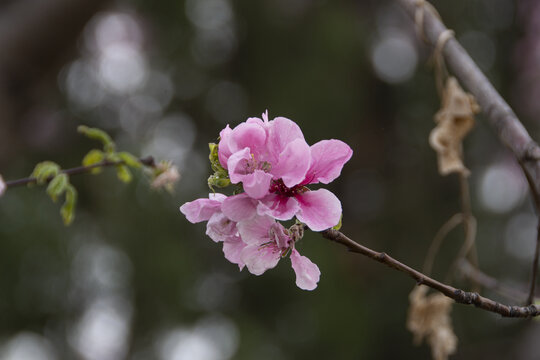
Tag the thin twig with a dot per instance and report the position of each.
(499, 115)
(460, 296)
(443, 232)
(469, 227)
(530, 298)
(536, 199)
(148, 161)
(472, 273)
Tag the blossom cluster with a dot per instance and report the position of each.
(272, 164)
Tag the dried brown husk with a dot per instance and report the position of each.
(429, 319)
(454, 121)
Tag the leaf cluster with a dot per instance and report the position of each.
(48, 171)
(220, 177)
(108, 156)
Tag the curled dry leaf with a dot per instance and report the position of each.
(454, 121)
(429, 318)
(2, 186)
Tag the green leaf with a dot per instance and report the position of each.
(338, 226)
(123, 173)
(45, 170)
(214, 160)
(218, 181)
(100, 135)
(130, 159)
(57, 186)
(113, 157)
(67, 211)
(93, 157)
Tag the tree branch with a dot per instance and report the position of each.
(460, 296)
(498, 113)
(148, 161)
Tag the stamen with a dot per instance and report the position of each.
(285, 252)
(279, 187)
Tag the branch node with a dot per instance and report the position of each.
(532, 152)
(382, 256)
(465, 297)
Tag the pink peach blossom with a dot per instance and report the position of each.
(258, 151)
(267, 242)
(219, 227)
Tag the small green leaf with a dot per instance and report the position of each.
(45, 170)
(338, 226)
(67, 211)
(218, 181)
(113, 157)
(123, 173)
(100, 135)
(57, 186)
(130, 159)
(94, 157)
(214, 160)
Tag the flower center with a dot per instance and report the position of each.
(278, 187)
(253, 164)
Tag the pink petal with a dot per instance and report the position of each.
(258, 259)
(254, 120)
(255, 231)
(238, 165)
(232, 249)
(239, 207)
(281, 132)
(280, 236)
(250, 135)
(307, 273)
(265, 116)
(279, 207)
(327, 160)
(220, 227)
(256, 185)
(319, 209)
(201, 209)
(223, 147)
(217, 196)
(293, 163)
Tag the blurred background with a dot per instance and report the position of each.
(132, 279)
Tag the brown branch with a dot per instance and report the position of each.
(498, 113)
(530, 298)
(148, 161)
(460, 296)
(536, 199)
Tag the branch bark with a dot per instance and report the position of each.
(459, 296)
(498, 113)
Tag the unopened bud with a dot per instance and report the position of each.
(218, 181)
